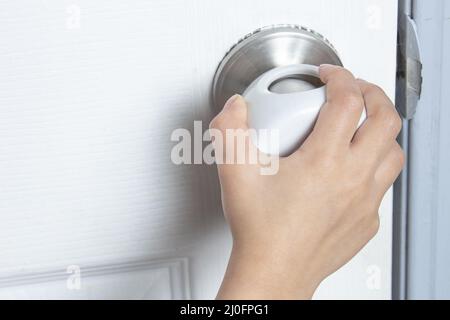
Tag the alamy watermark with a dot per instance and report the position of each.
(73, 281)
(73, 20)
(373, 280)
(232, 147)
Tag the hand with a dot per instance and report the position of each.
(293, 229)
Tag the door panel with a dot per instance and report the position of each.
(90, 94)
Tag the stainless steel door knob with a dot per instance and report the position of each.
(265, 49)
(276, 70)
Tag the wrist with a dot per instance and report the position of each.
(254, 275)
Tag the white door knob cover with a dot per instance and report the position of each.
(291, 115)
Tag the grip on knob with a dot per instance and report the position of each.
(288, 116)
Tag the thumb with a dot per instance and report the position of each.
(232, 142)
(232, 116)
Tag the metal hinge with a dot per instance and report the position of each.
(409, 67)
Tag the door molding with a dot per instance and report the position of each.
(421, 237)
(164, 279)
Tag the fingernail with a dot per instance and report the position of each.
(326, 67)
(231, 101)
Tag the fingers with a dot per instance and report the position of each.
(339, 117)
(390, 168)
(382, 126)
(231, 136)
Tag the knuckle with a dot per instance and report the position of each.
(338, 73)
(391, 120)
(372, 88)
(395, 121)
(374, 226)
(401, 157)
(320, 151)
(350, 101)
(341, 72)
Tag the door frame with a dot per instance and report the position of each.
(421, 241)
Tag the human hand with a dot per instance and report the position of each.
(293, 229)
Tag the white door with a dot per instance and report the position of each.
(90, 91)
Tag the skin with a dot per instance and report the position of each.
(293, 229)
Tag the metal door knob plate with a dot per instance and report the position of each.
(276, 70)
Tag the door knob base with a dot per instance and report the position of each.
(265, 49)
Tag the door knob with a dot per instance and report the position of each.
(276, 71)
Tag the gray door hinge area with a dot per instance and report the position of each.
(409, 67)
